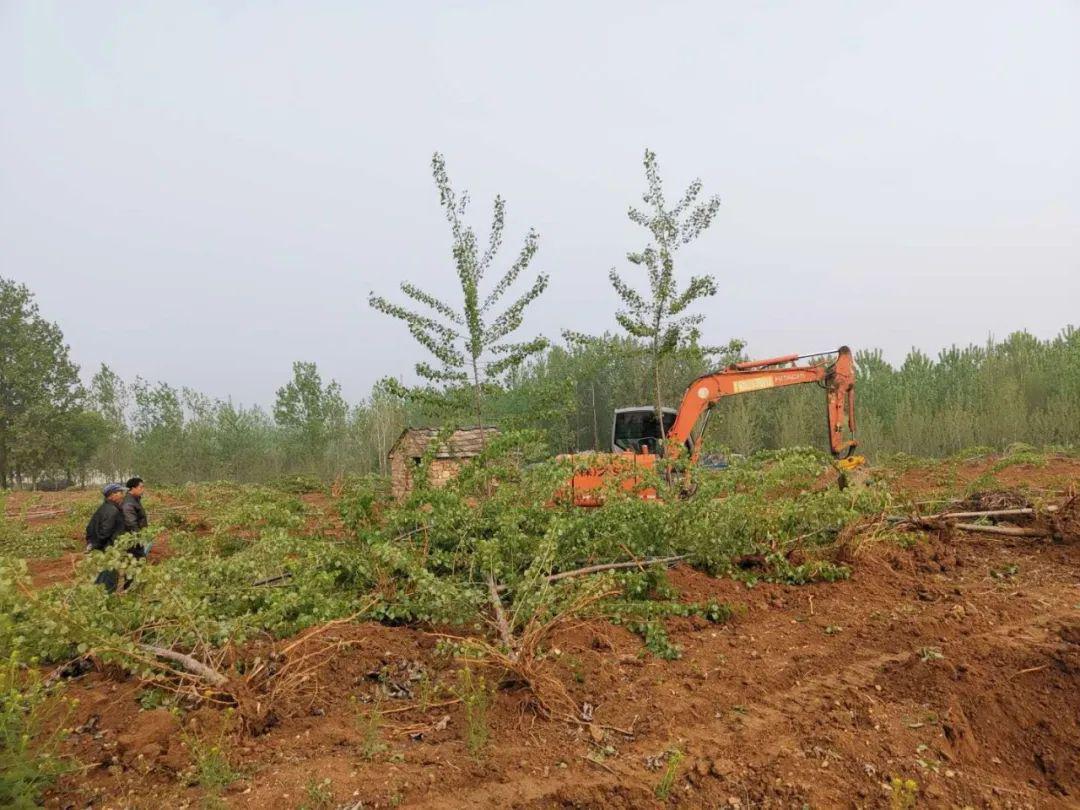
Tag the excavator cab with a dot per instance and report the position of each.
(636, 430)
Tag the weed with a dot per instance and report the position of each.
(369, 724)
(930, 654)
(154, 698)
(427, 690)
(27, 765)
(475, 698)
(319, 794)
(654, 635)
(576, 667)
(983, 483)
(212, 769)
(904, 793)
(671, 771)
(1020, 454)
(924, 762)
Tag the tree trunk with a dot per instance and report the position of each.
(476, 399)
(659, 402)
(595, 427)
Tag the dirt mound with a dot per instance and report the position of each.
(1065, 523)
(149, 736)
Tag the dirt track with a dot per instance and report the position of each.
(955, 663)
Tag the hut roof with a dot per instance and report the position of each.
(463, 442)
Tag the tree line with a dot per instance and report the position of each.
(55, 428)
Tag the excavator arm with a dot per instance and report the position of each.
(837, 378)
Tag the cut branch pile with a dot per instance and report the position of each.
(1056, 522)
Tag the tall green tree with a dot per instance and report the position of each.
(158, 430)
(109, 398)
(39, 385)
(381, 419)
(660, 316)
(310, 411)
(469, 341)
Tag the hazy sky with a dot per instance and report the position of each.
(204, 193)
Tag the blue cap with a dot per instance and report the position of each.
(111, 488)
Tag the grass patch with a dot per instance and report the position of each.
(475, 696)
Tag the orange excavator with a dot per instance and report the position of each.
(640, 440)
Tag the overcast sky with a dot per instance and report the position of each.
(204, 193)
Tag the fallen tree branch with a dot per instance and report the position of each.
(311, 632)
(618, 566)
(410, 708)
(1029, 669)
(198, 668)
(958, 515)
(1011, 531)
(593, 569)
(272, 580)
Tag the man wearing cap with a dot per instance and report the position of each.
(104, 527)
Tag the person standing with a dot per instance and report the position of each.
(134, 513)
(106, 524)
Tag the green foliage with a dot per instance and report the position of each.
(28, 759)
(35, 541)
(663, 788)
(154, 698)
(318, 793)
(475, 696)
(661, 318)
(361, 501)
(426, 560)
(964, 404)
(469, 341)
(211, 758)
(109, 398)
(1019, 454)
(309, 412)
(645, 617)
(369, 724)
(904, 793)
(44, 430)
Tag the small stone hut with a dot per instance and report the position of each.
(406, 452)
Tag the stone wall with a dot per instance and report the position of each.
(411, 445)
(441, 472)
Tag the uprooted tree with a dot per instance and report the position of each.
(469, 341)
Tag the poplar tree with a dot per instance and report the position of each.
(660, 316)
(469, 341)
(311, 413)
(39, 387)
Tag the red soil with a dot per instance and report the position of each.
(955, 663)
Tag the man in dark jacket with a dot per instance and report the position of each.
(134, 513)
(104, 527)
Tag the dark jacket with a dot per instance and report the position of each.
(105, 526)
(134, 514)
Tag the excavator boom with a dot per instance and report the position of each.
(837, 378)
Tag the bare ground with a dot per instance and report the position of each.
(954, 662)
